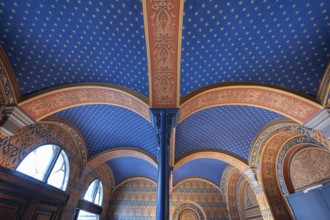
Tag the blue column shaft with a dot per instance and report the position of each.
(162, 208)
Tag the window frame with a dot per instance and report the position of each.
(97, 186)
(56, 155)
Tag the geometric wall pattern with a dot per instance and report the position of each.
(202, 193)
(134, 200)
(309, 167)
(252, 210)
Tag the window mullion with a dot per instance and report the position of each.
(95, 190)
(52, 164)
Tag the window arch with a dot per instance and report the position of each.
(49, 164)
(94, 192)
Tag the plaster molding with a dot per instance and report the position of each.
(321, 122)
(14, 119)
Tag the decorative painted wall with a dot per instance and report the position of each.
(269, 177)
(252, 210)
(134, 199)
(195, 212)
(14, 149)
(285, 154)
(310, 166)
(202, 193)
(104, 173)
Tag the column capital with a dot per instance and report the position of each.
(14, 119)
(251, 174)
(321, 122)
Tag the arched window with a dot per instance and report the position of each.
(94, 192)
(49, 164)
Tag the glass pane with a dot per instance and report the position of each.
(90, 194)
(99, 195)
(83, 215)
(36, 164)
(60, 174)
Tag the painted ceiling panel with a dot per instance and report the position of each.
(229, 128)
(284, 43)
(209, 169)
(58, 42)
(105, 127)
(128, 167)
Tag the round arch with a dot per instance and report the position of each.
(132, 179)
(199, 179)
(306, 165)
(74, 132)
(230, 159)
(288, 149)
(268, 177)
(297, 107)
(41, 105)
(102, 157)
(189, 205)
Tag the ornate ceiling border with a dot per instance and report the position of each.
(189, 205)
(74, 132)
(102, 157)
(291, 145)
(323, 93)
(217, 155)
(41, 105)
(199, 179)
(225, 183)
(240, 196)
(163, 31)
(299, 108)
(8, 82)
(268, 176)
(131, 179)
(264, 134)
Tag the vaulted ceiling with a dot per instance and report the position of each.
(283, 45)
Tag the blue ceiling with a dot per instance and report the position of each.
(229, 128)
(209, 169)
(51, 43)
(128, 167)
(284, 43)
(105, 127)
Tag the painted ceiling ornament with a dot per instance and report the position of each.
(163, 28)
(309, 167)
(295, 107)
(163, 55)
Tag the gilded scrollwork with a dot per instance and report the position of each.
(48, 103)
(310, 166)
(285, 103)
(163, 33)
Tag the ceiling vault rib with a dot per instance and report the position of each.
(163, 30)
